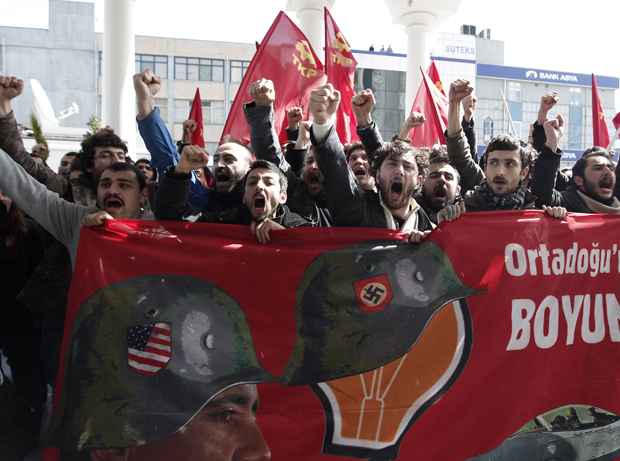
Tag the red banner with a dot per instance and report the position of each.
(285, 57)
(600, 132)
(340, 69)
(433, 104)
(195, 114)
(373, 348)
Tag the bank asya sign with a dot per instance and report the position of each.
(546, 76)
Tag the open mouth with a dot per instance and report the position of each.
(500, 181)
(222, 175)
(606, 183)
(440, 191)
(113, 202)
(396, 188)
(259, 203)
(361, 171)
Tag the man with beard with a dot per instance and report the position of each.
(441, 186)
(121, 192)
(306, 195)
(65, 164)
(262, 205)
(505, 165)
(392, 206)
(593, 176)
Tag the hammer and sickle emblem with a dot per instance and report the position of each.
(304, 59)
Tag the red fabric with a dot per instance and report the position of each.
(616, 121)
(434, 106)
(433, 73)
(195, 114)
(286, 58)
(340, 69)
(600, 133)
(490, 395)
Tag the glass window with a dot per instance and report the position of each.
(157, 63)
(487, 129)
(213, 112)
(514, 91)
(202, 69)
(516, 111)
(162, 103)
(575, 126)
(576, 97)
(181, 110)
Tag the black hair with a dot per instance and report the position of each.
(105, 137)
(579, 168)
(146, 160)
(439, 158)
(350, 148)
(123, 166)
(397, 147)
(264, 164)
(507, 142)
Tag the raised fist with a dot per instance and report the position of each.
(554, 129)
(469, 106)
(363, 103)
(324, 102)
(262, 92)
(146, 84)
(294, 116)
(549, 100)
(459, 90)
(192, 158)
(189, 126)
(415, 120)
(10, 87)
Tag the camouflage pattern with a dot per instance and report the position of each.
(106, 404)
(339, 334)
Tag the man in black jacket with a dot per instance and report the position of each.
(261, 205)
(593, 178)
(397, 177)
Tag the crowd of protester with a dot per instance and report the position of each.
(312, 180)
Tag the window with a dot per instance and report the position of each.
(213, 112)
(205, 70)
(576, 97)
(237, 70)
(157, 63)
(487, 129)
(181, 110)
(162, 103)
(514, 91)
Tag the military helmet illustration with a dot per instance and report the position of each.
(146, 355)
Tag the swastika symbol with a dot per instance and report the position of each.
(374, 293)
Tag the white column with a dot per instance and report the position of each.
(310, 16)
(118, 102)
(418, 27)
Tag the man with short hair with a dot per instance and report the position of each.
(65, 164)
(120, 194)
(358, 161)
(591, 189)
(441, 186)
(397, 177)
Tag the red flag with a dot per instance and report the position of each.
(433, 73)
(286, 58)
(600, 134)
(434, 106)
(340, 69)
(195, 114)
(616, 121)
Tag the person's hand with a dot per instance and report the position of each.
(192, 158)
(451, 212)
(303, 136)
(263, 229)
(189, 126)
(324, 102)
(459, 90)
(469, 106)
(557, 212)
(262, 92)
(554, 129)
(96, 219)
(417, 236)
(146, 84)
(415, 120)
(10, 88)
(363, 103)
(294, 116)
(547, 102)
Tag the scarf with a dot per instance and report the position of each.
(598, 207)
(516, 200)
(411, 223)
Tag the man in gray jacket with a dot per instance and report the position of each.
(121, 192)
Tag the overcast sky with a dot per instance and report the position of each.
(559, 35)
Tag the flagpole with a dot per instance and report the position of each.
(507, 109)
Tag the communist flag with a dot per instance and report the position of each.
(434, 106)
(340, 69)
(286, 58)
(600, 134)
(433, 73)
(195, 114)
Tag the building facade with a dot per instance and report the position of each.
(67, 59)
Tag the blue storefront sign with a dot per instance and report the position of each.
(568, 155)
(544, 76)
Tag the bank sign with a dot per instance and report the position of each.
(544, 76)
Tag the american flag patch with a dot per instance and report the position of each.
(149, 347)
